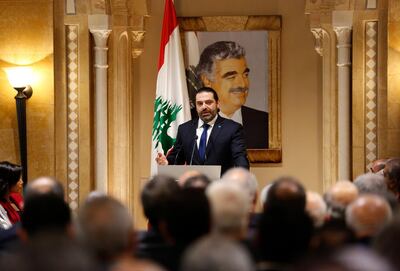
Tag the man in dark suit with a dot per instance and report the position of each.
(223, 67)
(209, 139)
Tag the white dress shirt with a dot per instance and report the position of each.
(200, 129)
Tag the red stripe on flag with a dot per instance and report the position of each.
(169, 24)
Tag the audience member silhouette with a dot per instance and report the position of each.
(391, 173)
(338, 197)
(197, 181)
(367, 215)
(156, 196)
(387, 242)
(187, 219)
(316, 208)
(378, 165)
(216, 253)
(285, 229)
(371, 183)
(230, 206)
(105, 228)
(9, 240)
(10, 180)
(44, 185)
(45, 214)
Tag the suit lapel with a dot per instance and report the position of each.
(214, 134)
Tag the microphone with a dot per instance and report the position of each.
(194, 144)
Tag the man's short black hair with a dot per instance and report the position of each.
(45, 213)
(286, 195)
(188, 216)
(156, 195)
(209, 90)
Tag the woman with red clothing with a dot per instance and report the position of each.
(10, 190)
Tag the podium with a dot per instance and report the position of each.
(175, 171)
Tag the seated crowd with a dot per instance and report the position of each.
(195, 224)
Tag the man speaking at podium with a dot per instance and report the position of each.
(209, 139)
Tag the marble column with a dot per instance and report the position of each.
(343, 34)
(101, 109)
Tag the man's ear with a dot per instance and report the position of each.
(206, 81)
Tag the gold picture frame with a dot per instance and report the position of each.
(272, 24)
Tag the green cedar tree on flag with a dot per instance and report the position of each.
(171, 107)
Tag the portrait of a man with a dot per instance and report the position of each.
(223, 66)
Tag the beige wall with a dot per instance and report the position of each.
(26, 32)
(301, 97)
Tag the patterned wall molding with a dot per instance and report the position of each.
(371, 80)
(72, 115)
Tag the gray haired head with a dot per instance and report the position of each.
(219, 50)
(370, 183)
(215, 253)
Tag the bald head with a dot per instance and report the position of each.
(316, 208)
(367, 215)
(245, 179)
(343, 193)
(339, 197)
(44, 185)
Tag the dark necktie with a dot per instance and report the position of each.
(203, 142)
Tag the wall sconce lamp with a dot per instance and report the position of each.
(20, 79)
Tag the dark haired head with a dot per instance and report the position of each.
(285, 229)
(391, 173)
(286, 194)
(209, 90)
(45, 213)
(188, 216)
(9, 176)
(155, 196)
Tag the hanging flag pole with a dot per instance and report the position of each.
(171, 107)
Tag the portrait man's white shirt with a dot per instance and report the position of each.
(237, 116)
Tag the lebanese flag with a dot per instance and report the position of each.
(171, 107)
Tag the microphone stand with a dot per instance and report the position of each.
(194, 144)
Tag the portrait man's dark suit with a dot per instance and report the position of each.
(255, 126)
(226, 145)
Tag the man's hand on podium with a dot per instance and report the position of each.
(161, 159)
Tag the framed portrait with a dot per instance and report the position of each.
(239, 57)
